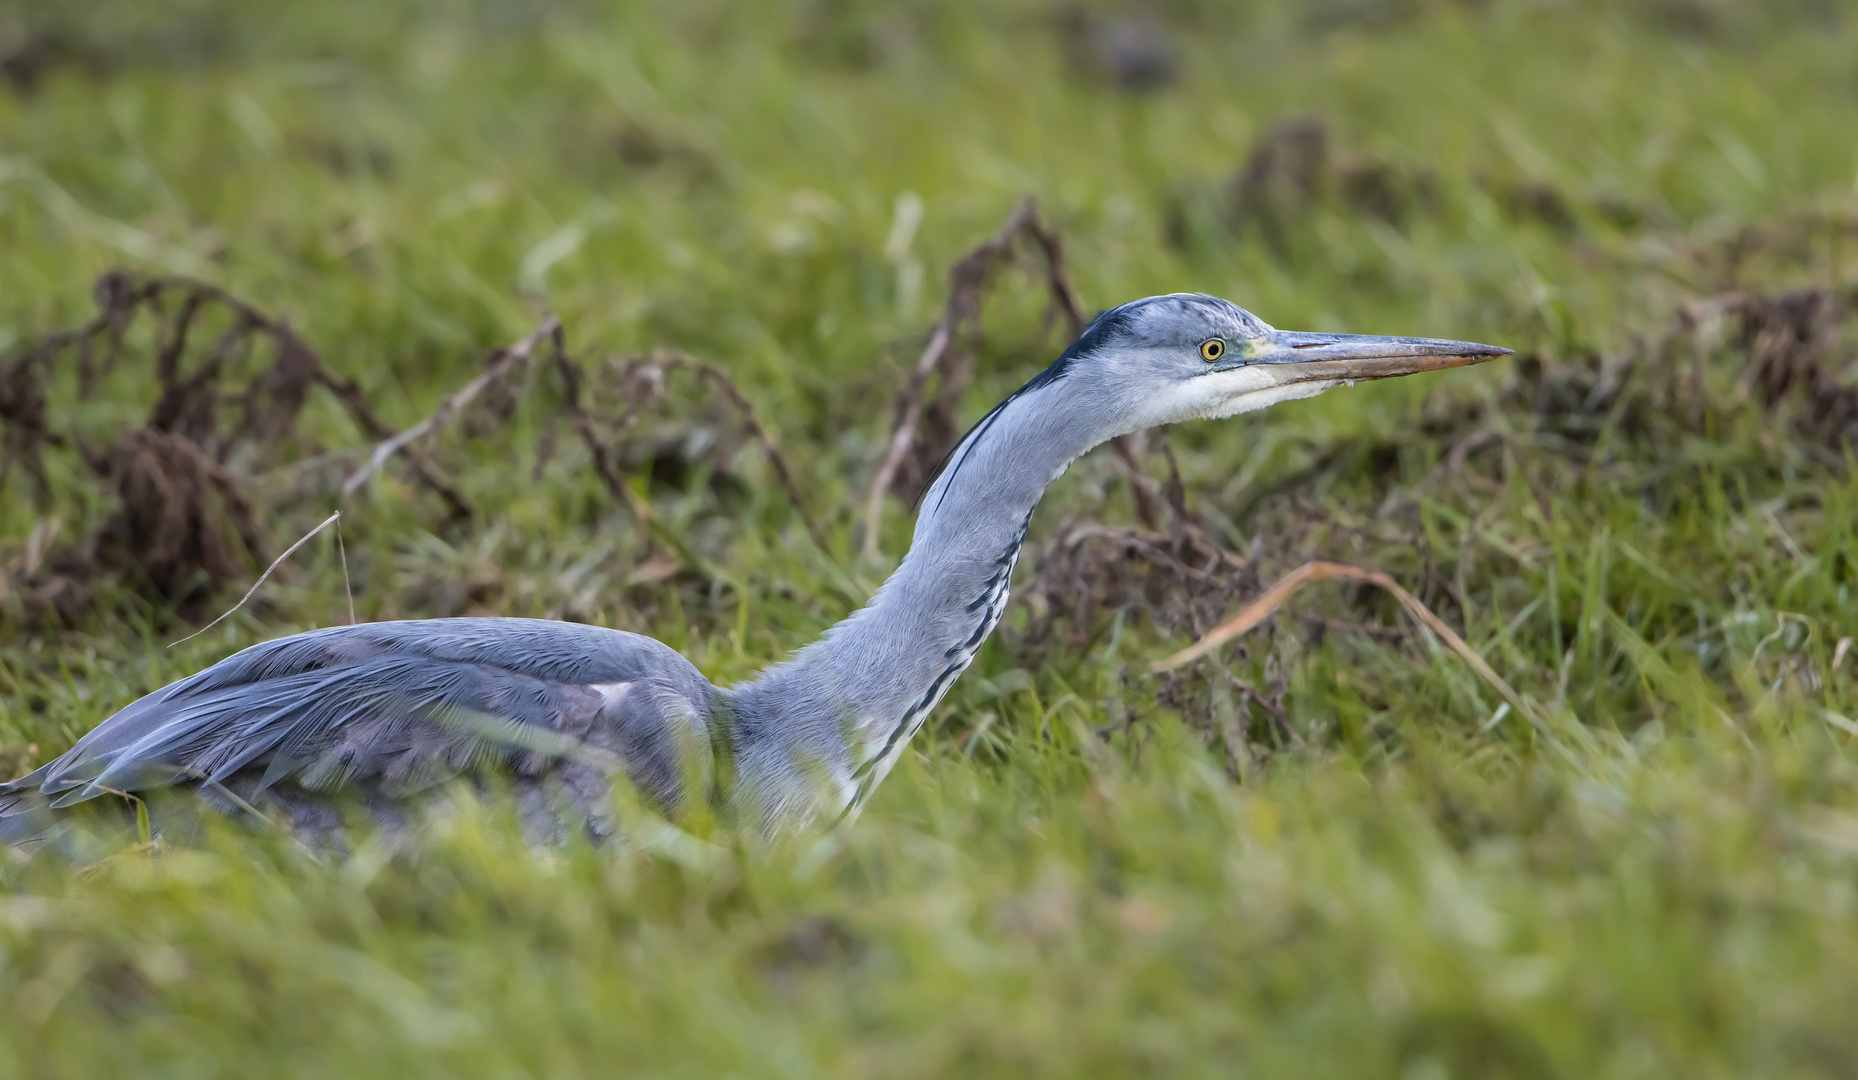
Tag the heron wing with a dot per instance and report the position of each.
(404, 704)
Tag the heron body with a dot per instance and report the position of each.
(385, 711)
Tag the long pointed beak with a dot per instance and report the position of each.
(1352, 357)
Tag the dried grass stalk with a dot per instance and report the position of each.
(1278, 594)
(503, 363)
(652, 366)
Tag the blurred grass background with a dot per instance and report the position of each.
(1331, 853)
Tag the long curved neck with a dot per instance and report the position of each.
(818, 733)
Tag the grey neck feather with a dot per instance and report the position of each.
(816, 734)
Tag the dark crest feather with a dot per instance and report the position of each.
(1108, 326)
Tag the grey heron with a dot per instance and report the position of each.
(387, 710)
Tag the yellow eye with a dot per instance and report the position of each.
(1212, 349)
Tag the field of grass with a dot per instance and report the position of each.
(1329, 850)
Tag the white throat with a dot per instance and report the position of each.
(1225, 393)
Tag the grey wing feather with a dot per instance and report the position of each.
(400, 703)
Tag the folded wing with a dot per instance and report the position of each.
(400, 705)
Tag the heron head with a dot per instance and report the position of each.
(1184, 356)
(1188, 356)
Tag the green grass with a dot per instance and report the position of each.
(1075, 873)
